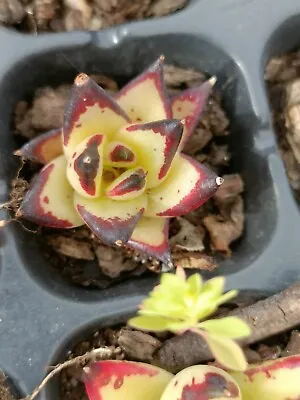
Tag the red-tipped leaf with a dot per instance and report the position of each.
(119, 155)
(124, 380)
(112, 221)
(49, 200)
(43, 148)
(90, 110)
(130, 184)
(156, 144)
(85, 167)
(145, 98)
(151, 237)
(189, 105)
(188, 185)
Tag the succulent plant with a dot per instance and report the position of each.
(116, 164)
(271, 380)
(127, 380)
(178, 304)
(202, 382)
(124, 380)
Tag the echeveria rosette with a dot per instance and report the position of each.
(116, 164)
(178, 305)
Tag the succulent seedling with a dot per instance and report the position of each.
(116, 164)
(178, 305)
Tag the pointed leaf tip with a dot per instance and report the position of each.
(151, 237)
(145, 98)
(189, 105)
(188, 185)
(162, 138)
(81, 79)
(43, 148)
(90, 109)
(130, 184)
(112, 221)
(119, 155)
(212, 80)
(49, 200)
(219, 180)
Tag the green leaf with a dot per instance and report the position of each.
(214, 287)
(227, 352)
(205, 311)
(227, 296)
(194, 284)
(172, 282)
(177, 327)
(162, 307)
(149, 323)
(228, 327)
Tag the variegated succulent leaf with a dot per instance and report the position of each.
(118, 163)
(271, 380)
(124, 380)
(202, 382)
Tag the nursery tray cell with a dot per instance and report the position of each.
(41, 315)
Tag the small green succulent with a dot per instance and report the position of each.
(178, 304)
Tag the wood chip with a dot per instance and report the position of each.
(219, 155)
(44, 11)
(181, 351)
(138, 345)
(189, 237)
(232, 186)
(292, 116)
(281, 69)
(224, 232)
(11, 11)
(5, 393)
(252, 356)
(194, 260)
(113, 262)
(71, 247)
(199, 139)
(269, 352)
(164, 7)
(175, 76)
(293, 346)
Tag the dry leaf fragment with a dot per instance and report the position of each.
(189, 237)
(70, 247)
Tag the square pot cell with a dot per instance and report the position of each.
(283, 41)
(124, 59)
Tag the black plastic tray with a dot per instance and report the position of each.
(40, 316)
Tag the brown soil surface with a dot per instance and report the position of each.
(38, 16)
(282, 76)
(139, 346)
(4, 389)
(195, 238)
